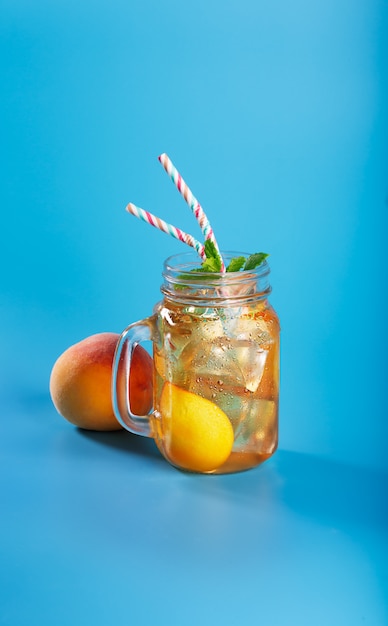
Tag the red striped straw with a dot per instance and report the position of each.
(160, 224)
(191, 200)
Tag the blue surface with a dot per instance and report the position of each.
(100, 529)
(276, 115)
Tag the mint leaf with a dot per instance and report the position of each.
(194, 274)
(210, 248)
(212, 263)
(236, 264)
(255, 260)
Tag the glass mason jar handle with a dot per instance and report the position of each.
(129, 339)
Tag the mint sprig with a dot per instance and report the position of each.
(236, 264)
(213, 263)
(241, 263)
(254, 260)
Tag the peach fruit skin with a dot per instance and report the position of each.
(80, 382)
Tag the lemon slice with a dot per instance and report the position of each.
(198, 435)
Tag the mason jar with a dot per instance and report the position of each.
(215, 343)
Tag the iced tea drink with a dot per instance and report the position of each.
(216, 368)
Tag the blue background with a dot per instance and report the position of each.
(275, 114)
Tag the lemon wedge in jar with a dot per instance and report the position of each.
(198, 435)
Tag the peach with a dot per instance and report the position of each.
(80, 382)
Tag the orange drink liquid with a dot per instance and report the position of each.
(231, 358)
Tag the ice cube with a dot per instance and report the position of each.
(251, 362)
(257, 425)
(237, 363)
(211, 359)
